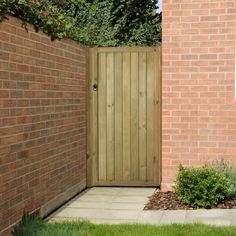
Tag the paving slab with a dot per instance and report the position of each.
(150, 217)
(76, 213)
(138, 191)
(173, 217)
(113, 222)
(103, 191)
(88, 205)
(221, 217)
(124, 206)
(96, 198)
(233, 216)
(119, 214)
(131, 199)
(106, 204)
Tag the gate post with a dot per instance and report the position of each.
(92, 118)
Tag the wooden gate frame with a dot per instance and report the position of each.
(92, 110)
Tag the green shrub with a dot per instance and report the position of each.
(201, 187)
(230, 174)
(46, 15)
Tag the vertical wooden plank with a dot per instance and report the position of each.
(126, 116)
(118, 118)
(142, 116)
(157, 124)
(110, 117)
(150, 115)
(134, 117)
(102, 118)
(92, 119)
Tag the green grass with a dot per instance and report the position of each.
(37, 227)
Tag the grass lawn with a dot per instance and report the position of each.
(38, 227)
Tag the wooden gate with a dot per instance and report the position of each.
(124, 117)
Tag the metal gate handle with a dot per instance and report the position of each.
(95, 87)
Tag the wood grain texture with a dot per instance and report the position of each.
(128, 120)
(150, 115)
(134, 116)
(102, 117)
(118, 117)
(142, 115)
(126, 116)
(110, 86)
(92, 137)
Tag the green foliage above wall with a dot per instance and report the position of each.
(47, 15)
(91, 22)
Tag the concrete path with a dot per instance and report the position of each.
(102, 205)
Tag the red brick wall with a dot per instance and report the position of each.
(42, 120)
(199, 109)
